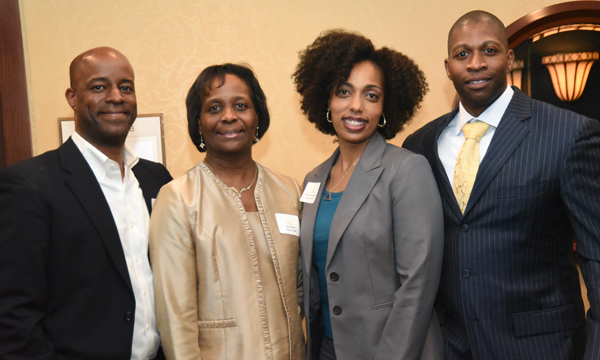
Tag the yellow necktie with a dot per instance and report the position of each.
(467, 162)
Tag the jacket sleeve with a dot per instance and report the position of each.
(172, 253)
(580, 191)
(24, 250)
(418, 245)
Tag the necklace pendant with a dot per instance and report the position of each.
(239, 194)
(328, 196)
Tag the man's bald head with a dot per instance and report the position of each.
(479, 17)
(102, 94)
(478, 60)
(99, 53)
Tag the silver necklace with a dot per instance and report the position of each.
(238, 193)
(331, 186)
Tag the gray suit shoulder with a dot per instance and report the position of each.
(396, 152)
(397, 157)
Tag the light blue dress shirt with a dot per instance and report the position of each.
(452, 137)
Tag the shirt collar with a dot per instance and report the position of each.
(130, 159)
(492, 115)
(100, 162)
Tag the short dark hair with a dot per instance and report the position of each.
(201, 86)
(329, 60)
(476, 17)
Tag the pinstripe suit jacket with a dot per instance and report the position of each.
(509, 287)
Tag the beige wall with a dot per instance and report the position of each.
(170, 41)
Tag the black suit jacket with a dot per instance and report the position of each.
(65, 287)
(509, 287)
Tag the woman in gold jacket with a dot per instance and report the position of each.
(224, 236)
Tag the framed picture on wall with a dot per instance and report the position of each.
(146, 137)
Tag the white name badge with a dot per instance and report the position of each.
(288, 224)
(310, 192)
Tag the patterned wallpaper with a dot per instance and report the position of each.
(170, 41)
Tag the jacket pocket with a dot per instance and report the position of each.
(217, 324)
(523, 190)
(546, 321)
(381, 306)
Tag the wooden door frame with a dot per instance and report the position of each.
(15, 132)
(572, 12)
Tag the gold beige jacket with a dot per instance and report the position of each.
(210, 298)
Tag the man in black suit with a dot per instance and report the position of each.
(76, 280)
(510, 287)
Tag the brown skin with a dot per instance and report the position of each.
(102, 94)
(478, 61)
(356, 106)
(228, 124)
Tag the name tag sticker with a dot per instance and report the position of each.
(288, 224)
(310, 192)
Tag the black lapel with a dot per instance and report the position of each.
(510, 133)
(146, 182)
(84, 185)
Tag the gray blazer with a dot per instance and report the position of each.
(384, 258)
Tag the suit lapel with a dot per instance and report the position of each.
(510, 133)
(146, 182)
(84, 185)
(309, 211)
(359, 186)
(430, 151)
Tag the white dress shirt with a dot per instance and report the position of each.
(452, 137)
(129, 211)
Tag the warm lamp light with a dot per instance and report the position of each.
(515, 75)
(569, 73)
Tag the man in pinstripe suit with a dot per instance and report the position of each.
(510, 288)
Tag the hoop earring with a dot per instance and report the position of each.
(384, 122)
(202, 145)
(328, 116)
(256, 139)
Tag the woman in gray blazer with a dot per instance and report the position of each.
(372, 230)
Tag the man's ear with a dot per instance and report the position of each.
(447, 66)
(71, 97)
(511, 60)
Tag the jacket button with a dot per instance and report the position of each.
(464, 228)
(334, 276)
(466, 273)
(128, 316)
(337, 310)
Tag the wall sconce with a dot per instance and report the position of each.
(515, 75)
(569, 73)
